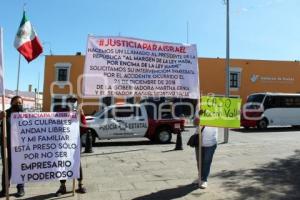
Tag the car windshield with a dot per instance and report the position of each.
(258, 98)
(97, 114)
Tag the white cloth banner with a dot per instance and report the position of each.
(119, 66)
(44, 146)
(1, 63)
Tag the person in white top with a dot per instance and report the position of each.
(209, 145)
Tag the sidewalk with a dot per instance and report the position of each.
(252, 166)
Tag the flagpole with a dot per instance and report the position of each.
(187, 32)
(18, 79)
(38, 91)
(4, 135)
(19, 65)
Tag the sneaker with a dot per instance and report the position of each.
(81, 189)
(62, 190)
(195, 182)
(203, 185)
(20, 192)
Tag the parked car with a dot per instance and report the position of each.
(132, 121)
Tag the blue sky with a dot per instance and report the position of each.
(260, 29)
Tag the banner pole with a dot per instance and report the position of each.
(5, 153)
(200, 150)
(73, 188)
(4, 131)
(79, 107)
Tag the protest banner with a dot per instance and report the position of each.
(120, 66)
(220, 112)
(45, 146)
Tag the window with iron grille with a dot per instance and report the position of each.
(62, 74)
(234, 79)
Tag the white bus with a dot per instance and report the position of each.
(271, 109)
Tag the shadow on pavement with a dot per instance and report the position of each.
(126, 143)
(169, 194)
(99, 154)
(171, 150)
(44, 196)
(272, 129)
(278, 180)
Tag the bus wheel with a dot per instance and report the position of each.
(262, 124)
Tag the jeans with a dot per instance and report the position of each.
(207, 157)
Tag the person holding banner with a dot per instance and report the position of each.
(209, 145)
(16, 106)
(70, 107)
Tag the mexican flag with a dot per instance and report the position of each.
(26, 41)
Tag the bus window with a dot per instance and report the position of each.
(269, 102)
(286, 101)
(290, 102)
(272, 102)
(297, 102)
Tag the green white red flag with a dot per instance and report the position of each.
(26, 41)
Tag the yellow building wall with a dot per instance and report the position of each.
(212, 77)
(76, 70)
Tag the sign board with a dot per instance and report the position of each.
(119, 66)
(45, 146)
(220, 112)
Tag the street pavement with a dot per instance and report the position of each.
(253, 165)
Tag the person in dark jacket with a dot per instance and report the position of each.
(16, 106)
(59, 108)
